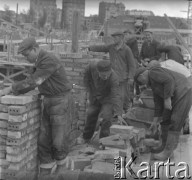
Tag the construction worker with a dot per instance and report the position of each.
(171, 52)
(149, 49)
(50, 78)
(172, 97)
(133, 45)
(123, 64)
(102, 85)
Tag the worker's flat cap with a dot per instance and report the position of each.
(117, 34)
(27, 44)
(139, 71)
(104, 65)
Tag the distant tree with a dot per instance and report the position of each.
(42, 20)
(8, 15)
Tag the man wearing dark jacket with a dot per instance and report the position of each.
(50, 78)
(172, 97)
(149, 49)
(123, 64)
(102, 85)
(133, 44)
(172, 52)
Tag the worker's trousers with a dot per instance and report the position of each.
(96, 110)
(53, 144)
(125, 94)
(176, 117)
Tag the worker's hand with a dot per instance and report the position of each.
(144, 63)
(154, 126)
(146, 59)
(121, 120)
(167, 104)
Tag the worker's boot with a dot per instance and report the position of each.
(62, 166)
(170, 146)
(164, 134)
(46, 170)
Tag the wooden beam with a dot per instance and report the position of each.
(75, 31)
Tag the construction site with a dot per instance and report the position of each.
(125, 153)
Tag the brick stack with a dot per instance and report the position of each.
(3, 137)
(23, 122)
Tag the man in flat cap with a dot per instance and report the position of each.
(149, 49)
(102, 85)
(50, 78)
(123, 64)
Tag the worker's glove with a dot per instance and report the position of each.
(121, 120)
(167, 104)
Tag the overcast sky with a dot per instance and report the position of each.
(159, 7)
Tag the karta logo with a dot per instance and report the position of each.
(123, 169)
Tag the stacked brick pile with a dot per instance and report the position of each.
(22, 117)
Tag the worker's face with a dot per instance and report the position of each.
(148, 36)
(143, 78)
(104, 75)
(31, 55)
(127, 36)
(117, 39)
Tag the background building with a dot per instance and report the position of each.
(43, 11)
(92, 23)
(68, 7)
(108, 10)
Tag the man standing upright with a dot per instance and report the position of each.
(50, 78)
(133, 44)
(149, 49)
(123, 64)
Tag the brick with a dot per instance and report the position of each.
(78, 69)
(4, 163)
(17, 142)
(33, 134)
(71, 55)
(104, 167)
(17, 110)
(3, 124)
(72, 73)
(3, 108)
(17, 126)
(79, 163)
(4, 116)
(16, 158)
(24, 117)
(2, 154)
(126, 131)
(20, 100)
(15, 150)
(113, 141)
(109, 154)
(3, 132)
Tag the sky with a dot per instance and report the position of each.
(159, 7)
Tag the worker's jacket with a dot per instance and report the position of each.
(132, 43)
(122, 60)
(49, 75)
(104, 91)
(172, 52)
(149, 50)
(164, 84)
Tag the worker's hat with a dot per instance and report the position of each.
(117, 34)
(27, 44)
(139, 71)
(104, 65)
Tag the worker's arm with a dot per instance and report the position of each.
(163, 49)
(99, 48)
(42, 73)
(131, 65)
